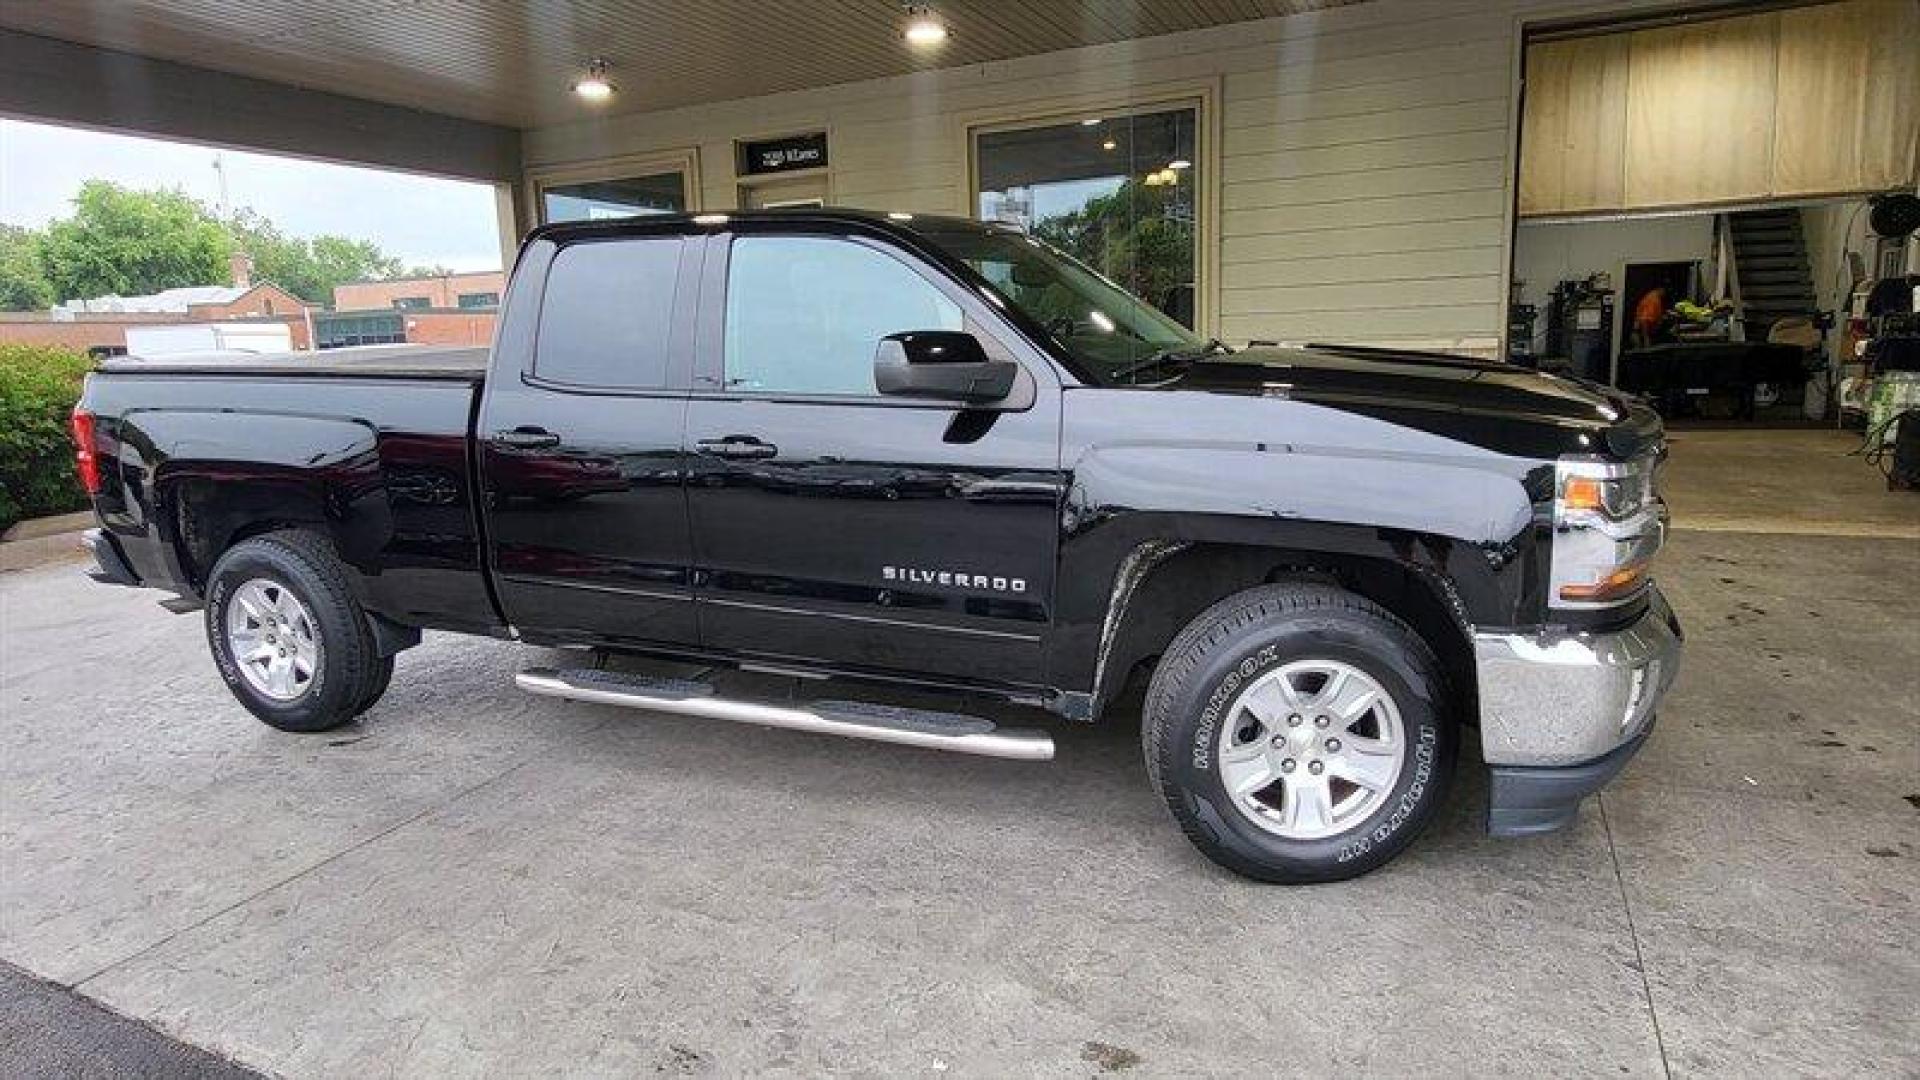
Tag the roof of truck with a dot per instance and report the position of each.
(888, 220)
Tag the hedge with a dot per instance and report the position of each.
(38, 387)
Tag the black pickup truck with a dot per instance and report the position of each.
(936, 453)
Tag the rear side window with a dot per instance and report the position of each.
(607, 313)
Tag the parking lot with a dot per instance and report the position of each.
(474, 881)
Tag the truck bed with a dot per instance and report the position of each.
(371, 445)
(466, 363)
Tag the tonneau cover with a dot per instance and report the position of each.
(376, 361)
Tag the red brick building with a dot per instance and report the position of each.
(450, 327)
(465, 291)
(448, 309)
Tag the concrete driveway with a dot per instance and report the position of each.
(472, 881)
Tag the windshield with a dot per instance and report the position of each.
(1115, 335)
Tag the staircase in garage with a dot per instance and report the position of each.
(1770, 266)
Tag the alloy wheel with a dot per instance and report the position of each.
(273, 638)
(1311, 749)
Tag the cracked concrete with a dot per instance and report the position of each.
(472, 881)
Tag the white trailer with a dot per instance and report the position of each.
(249, 337)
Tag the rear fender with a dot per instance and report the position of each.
(216, 479)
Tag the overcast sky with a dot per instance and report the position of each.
(423, 221)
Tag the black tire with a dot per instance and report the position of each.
(348, 675)
(1248, 635)
(377, 686)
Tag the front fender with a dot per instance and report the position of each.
(1463, 519)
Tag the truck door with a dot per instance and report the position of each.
(580, 445)
(833, 524)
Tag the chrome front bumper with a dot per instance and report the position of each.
(1569, 699)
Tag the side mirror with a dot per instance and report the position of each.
(945, 365)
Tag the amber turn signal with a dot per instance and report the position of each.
(1582, 493)
(1621, 582)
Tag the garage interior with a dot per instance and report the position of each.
(473, 881)
(1717, 212)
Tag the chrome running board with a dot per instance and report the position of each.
(850, 719)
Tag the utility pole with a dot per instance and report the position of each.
(220, 167)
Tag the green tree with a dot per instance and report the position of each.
(308, 269)
(1140, 235)
(130, 243)
(23, 282)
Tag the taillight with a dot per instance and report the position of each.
(86, 457)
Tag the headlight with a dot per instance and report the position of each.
(1607, 526)
(1613, 498)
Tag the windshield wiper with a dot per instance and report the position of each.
(1174, 360)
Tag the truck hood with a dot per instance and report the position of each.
(1491, 404)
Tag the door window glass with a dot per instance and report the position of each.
(597, 200)
(1117, 192)
(806, 314)
(607, 314)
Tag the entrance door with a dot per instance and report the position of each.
(795, 191)
(833, 524)
(581, 453)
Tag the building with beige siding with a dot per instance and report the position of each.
(1363, 171)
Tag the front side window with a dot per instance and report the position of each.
(806, 314)
(606, 316)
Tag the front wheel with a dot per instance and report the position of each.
(287, 635)
(1299, 733)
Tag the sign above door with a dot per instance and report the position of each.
(785, 154)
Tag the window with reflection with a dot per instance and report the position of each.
(599, 200)
(1119, 192)
(607, 313)
(805, 314)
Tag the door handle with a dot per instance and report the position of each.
(526, 438)
(738, 447)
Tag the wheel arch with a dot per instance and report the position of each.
(209, 517)
(1170, 583)
(216, 523)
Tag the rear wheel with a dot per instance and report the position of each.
(1299, 733)
(287, 635)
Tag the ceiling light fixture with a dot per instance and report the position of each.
(1110, 145)
(924, 29)
(1179, 163)
(596, 86)
(1090, 121)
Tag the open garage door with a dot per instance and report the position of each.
(1784, 104)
